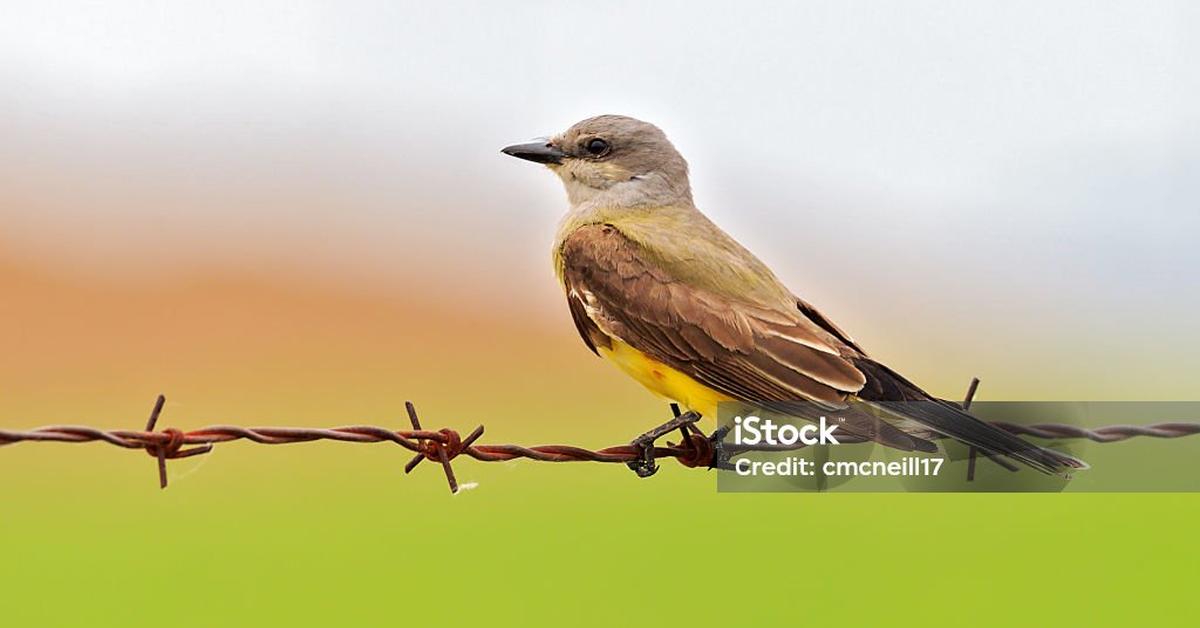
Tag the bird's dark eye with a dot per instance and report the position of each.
(596, 146)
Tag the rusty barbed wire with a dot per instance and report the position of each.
(695, 449)
(440, 446)
(1109, 434)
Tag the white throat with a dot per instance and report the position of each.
(651, 189)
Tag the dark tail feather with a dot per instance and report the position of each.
(949, 420)
(899, 398)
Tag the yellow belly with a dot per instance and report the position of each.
(663, 380)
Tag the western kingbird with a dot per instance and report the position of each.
(675, 302)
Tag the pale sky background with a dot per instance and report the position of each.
(932, 173)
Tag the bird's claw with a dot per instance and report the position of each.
(645, 466)
(720, 457)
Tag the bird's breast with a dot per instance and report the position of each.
(663, 380)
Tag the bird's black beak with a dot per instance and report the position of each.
(541, 151)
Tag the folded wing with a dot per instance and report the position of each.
(773, 359)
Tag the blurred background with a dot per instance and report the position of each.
(297, 213)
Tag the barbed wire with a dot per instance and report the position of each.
(695, 449)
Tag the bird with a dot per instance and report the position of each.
(657, 288)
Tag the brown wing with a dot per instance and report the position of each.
(753, 353)
(815, 315)
(776, 360)
(591, 334)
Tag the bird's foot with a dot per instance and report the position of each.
(720, 457)
(645, 466)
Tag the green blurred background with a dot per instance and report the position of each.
(287, 213)
(319, 533)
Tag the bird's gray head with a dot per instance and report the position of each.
(612, 160)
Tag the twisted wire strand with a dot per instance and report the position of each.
(411, 439)
(408, 439)
(1109, 434)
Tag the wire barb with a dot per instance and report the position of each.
(439, 450)
(170, 447)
